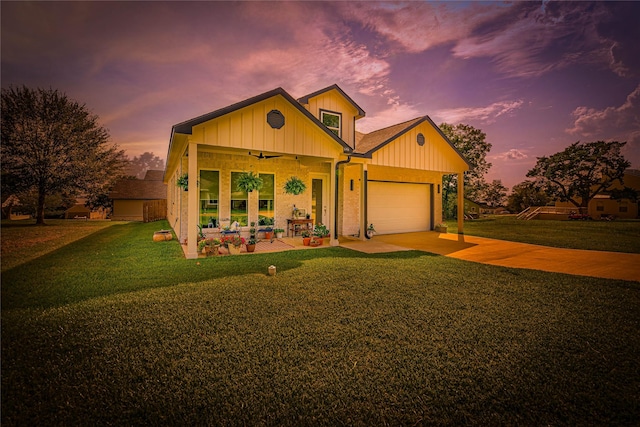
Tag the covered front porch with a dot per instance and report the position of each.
(212, 202)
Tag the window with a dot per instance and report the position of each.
(600, 207)
(239, 202)
(333, 121)
(623, 208)
(266, 197)
(209, 195)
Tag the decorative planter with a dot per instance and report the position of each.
(268, 235)
(251, 248)
(279, 235)
(162, 235)
(306, 241)
(316, 242)
(233, 250)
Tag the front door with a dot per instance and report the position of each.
(317, 204)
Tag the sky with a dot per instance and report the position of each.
(534, 76)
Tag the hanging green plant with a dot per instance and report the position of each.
(295, 186)
(249, 181)
(183, 182)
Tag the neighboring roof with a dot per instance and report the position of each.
(305, 99)
(154, 175)
(186, 126)
(78, 207)
(138, 189)
(367, 144)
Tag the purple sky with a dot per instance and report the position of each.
(534, 76)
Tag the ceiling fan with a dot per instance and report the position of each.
(262, 156)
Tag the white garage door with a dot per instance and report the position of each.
(399, 207)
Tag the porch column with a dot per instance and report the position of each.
(461, 203)
(363, 202)
(333, 178)
(193, 213)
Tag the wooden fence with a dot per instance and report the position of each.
(154, 210)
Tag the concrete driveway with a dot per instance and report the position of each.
(608, 265)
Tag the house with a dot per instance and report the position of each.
(390, 178)
(140, 199)
(602, 205)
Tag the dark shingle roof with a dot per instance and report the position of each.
(139, 189)
(367, 143)
(154, 175)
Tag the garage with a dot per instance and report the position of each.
(395, 207)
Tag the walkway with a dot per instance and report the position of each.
(608, 265)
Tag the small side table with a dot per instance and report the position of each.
(296, 225)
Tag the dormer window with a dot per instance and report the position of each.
(333, 121)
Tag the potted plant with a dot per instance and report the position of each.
(183, 181)
(306, 237)
(251, 244)
(371, 230)
(268, 229)
(233, 243)
(249, 181)
(441, 227)
(295, 186)
(279, 232)
(252, 230)
(320, 231)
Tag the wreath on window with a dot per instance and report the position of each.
(249, 181)
(295, 186)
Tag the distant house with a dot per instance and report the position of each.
(140, 199)
(391, 177)
(602, 205)
(79, 210)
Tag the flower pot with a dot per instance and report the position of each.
(233, 250)
(213, 251)
(306, 241)
(279, 235)
(268, 235)
(316, 242)
(251, 248)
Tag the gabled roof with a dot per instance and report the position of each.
(305, 99)
(186, 126)
(139, 189)
(367, 144)
(154, 175)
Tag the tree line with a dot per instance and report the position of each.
(54, 150)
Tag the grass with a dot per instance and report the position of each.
(21, 241)
(116, 329)
(615, 236)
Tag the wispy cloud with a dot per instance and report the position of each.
(590, 122)
(486, 115)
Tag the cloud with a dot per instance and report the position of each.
(487, 115)
(591, 122)
(512, 154)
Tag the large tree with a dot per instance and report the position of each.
(495, 194)
(471, 143)
(53, 145)
(139, 165)
(524, 195)
(580, 171)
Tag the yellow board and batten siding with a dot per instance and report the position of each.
(333, 101)
(248, 129)
(435, 155)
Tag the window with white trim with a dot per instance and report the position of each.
(333, 121)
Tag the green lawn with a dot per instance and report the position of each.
(114, 329)
(615, 236)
